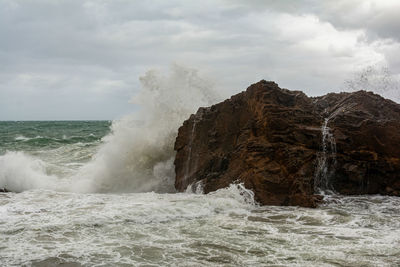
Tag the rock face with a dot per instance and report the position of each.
(366, 128)
(286, 146)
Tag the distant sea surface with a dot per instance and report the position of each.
(82, 199)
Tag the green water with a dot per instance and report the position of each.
(62, 147)
(30, 136)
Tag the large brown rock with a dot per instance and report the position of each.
(274, 141)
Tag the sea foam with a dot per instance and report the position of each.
(137, 156)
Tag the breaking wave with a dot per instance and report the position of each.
(138, 154)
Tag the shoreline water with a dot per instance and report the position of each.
(224, 228)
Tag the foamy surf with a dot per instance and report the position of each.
(134, 157)
(223, 228)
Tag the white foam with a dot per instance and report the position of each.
(21, 138)
(24, 138)
(19, 172)
(220, 228)
(134, 157)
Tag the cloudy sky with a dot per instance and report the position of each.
(82, 59)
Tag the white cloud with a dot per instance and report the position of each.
(89, 54)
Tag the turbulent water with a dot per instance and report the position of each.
(42, 227)
(224, 228)
(99, 193)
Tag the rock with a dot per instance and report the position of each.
(273, 141)
(3, 190)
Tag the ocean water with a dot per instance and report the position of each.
(100, 193)
(49, 226)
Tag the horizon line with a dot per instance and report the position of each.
(59, 120)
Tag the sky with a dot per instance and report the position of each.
(83, 59)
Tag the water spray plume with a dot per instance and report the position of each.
(138, 154)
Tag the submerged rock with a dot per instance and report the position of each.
(287, 147)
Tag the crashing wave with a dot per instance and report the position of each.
(135, 157)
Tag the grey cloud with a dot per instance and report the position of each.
(379, 18)
(82, 59)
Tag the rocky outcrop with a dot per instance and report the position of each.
(286, 146)
(366, 128)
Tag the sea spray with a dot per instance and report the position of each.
(376, 78)
(131, 158)
(20, 172)
(138, 154)
(196, 187)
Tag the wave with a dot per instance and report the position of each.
(20, 172)
(134, 157)
(24, 138)
(44, 140)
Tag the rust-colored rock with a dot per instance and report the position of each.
(271, 139)
(366, 128)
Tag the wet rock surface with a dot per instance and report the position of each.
(366, 128)
(286, 146)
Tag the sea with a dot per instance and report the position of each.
(62, 212)
(101, 193)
